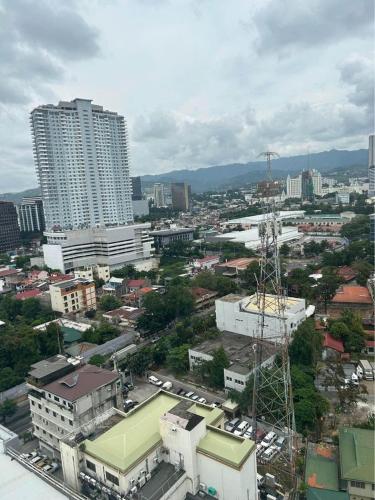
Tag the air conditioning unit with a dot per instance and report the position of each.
(143, 472)
(174, 429)
(203, 487)
(156, 459)
(141, 481)
(148, 476)
(133, 490)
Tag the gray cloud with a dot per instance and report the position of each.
(358, 72)
(283, 24)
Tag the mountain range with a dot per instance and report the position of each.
(235, 175)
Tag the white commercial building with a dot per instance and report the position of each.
(110, 246)
(255, 220)
(251, 239)
(81, 156)
(238, 314)
(294, 186)
(165, 448)
(159, 197)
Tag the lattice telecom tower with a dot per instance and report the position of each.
(272, 391)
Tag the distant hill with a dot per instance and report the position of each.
(17, 197)
(239, 174)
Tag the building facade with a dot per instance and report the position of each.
(294, 186)
(64, 397)
(181, 196)
(31, 215)
(81, 157)
(165, 237)
(305, 185)
(9, 228)
(136, 188)
(110, 246)
(73, 296)
(238, 314)
(159, 196)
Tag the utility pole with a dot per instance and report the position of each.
(272, 401)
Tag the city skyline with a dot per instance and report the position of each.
(256, 91)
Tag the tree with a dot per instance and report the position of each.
(250, 276)
(216, 368)
(357, 229)
(306, 345)
(7, 409)
(178, 359)
(139, 362)
(97, 360)
(109, 302)
(364, 270)
(285, 250)
(327, 286)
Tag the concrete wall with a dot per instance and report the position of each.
(230, 483)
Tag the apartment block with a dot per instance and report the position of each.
(99, 271)
(81, 157)
(73, 296)
(181, 196)
(64, 397)
(31, 215)
(9, 229)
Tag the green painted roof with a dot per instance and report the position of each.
(357, 454)
(212, 415)
(321, 469)
(225, 447)
(126, 442)
(319, 494)
(70, 334)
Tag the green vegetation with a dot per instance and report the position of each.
(313, 248)
(101, 334)
(97, 360)
(357, 251)
(178, 359)
(215, 282)
(109, 302)
(349, 329)
(20, 345)
(130, 272)
(357, 229)
(7, 409)
(284, 250)
(212, 372)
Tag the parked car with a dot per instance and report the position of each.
(167, 385)
(249, 433)
(202, 400)
(181, 392)
(269, 454)
(241, 428)
(129, 404)
(279, 443)
(189, 394)
(47, 468)
(155, 381)
(260, 450)
(269, 439)
(195, 397)
(55, 466)
(231, 425)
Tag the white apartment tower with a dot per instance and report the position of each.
(81, 156)
(294, 186)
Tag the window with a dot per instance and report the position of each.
(47, 410)
(62, 418)
(110, 477)
(229, 378)
(54, 413)
(33, 403)
(71, 422)
(40, 407)
(357, 484)
(56, 398)
(90, 466)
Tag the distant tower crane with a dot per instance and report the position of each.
(272, 401)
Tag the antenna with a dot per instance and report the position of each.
(272, 400)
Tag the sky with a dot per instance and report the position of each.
(200, 82)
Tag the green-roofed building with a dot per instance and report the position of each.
(165, 445)
(320, 494)
(357, 450)
(321, 470)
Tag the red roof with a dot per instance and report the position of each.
(352, 294)
(333, 343)
(370, 343)
(56, 278)
(145, 290)
(81, 382)
(136, 283)
(28, 294)
(346, 273)
(208, 258)
(8, 272)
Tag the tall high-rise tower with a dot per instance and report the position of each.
(371, 165)
(181, 196)
(81, 156)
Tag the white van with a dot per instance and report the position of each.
(242, 428)
(269, 453)
(230, 426)
(155, 381)
(269, 439)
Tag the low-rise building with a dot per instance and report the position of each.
(240, 353)
(203, 297)
(234, 267)
(354, 297)
(357, 462)
(124, 316)
(73, 296)
(100, 271)
(64, 397)
(238, 314)
(332, 348)
(164, 448)
(115, 286)
(164, 237)
(206, 263)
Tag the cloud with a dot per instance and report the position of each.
(286, 24)
(358, 72)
